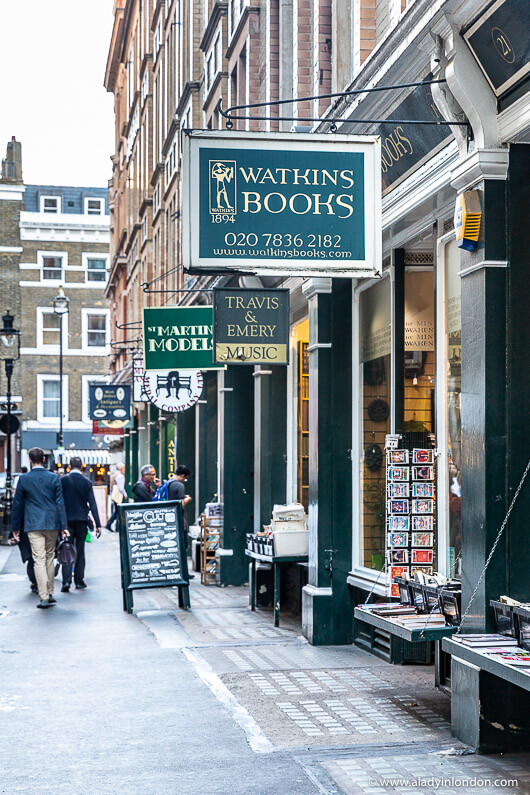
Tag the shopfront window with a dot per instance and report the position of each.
(453, 360)
(375, 346)
(302, 333)
(419, 414)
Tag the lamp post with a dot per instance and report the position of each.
(60, 307)
(9, 337)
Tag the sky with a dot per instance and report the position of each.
(52, 66)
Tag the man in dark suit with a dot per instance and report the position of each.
(78, 500)
(38, 509)
(145, 488)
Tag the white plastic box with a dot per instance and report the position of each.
(290, 542)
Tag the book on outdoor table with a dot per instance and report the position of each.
(476, 641)
(512, 657)
(394, 611)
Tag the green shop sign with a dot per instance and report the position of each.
(282, 204)
(178, 338)
(251, 326)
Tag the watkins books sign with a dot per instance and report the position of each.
(280, 204)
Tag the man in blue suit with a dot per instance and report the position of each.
(79, 499)
(38, 508)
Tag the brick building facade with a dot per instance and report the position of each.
(53, 237)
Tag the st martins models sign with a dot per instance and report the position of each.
(280, 204)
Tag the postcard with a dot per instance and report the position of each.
(424, 556)
(399, 571)
(422, 569)
(422, 539)
(398, 539)
(421, 473)
(399, 524)
(422, 489)
(399, 506)
(399, 490)
(422, 506)
(397, 457)
(422, 523)
(394, 589)
(400, 473)
(399, 556)
(422, 456)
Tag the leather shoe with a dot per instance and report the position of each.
(81, 584)
(65, 589)
(51, 599)
(44, 603)
(34, 589)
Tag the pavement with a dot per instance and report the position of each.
(211, 700)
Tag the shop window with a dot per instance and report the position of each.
(453, 342)
(418, 417)
(375, 346)
(303, 424)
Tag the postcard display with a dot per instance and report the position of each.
(410, 513)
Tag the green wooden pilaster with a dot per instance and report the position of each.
(238, 463)
(483, 399)
(326, 607)
(185, 451)
(270, 433)
(206, 443)
(154, 436)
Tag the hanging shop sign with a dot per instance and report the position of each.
(280, 204)
(139, 395)
(109, 402)
(173, 391)
(178, 338)
(98, 429)
(404, 148)
(251, 326)
(500, 42)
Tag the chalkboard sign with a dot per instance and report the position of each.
(152, 549)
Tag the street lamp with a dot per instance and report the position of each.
(60, 307)
(10, 340)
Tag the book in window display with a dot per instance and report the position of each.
(398, 557)
(422, 456)
(422, 489)
(397, 457)
(398, 506)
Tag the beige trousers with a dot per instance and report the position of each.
(42, 543)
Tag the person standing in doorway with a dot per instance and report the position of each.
(144, 489)
(79, 499)
(118, 487)
(38, 509)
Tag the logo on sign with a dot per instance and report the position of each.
(173, 391)
(503, 45)
(223, 187)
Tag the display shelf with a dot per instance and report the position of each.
(210, 543)
(507, 672)
(415, 635)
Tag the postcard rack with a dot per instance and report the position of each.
(211, 530)
(410, 512)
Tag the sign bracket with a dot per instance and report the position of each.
(334, 121)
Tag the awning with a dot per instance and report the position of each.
(86, 456)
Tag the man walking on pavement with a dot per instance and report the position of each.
(144, 489)
(118, 485)
(79, 499)
(38, 509)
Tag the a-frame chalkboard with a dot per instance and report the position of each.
(152, 549)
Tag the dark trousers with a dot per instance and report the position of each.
(78, 531)
(30, 568)
(113, 516)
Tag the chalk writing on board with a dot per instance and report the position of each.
(153, 545)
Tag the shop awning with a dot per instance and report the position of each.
(86, 456)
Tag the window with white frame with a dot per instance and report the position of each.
(48, 398)
(49, 328)
(96, 269)
(95, 328)
(94, 206)
(50, 204)
(52, 267)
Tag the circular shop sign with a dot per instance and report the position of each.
(175, 390)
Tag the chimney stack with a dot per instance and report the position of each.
(12, 164)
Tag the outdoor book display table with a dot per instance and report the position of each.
(276, 562)
(393, 625)
(487, 713)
